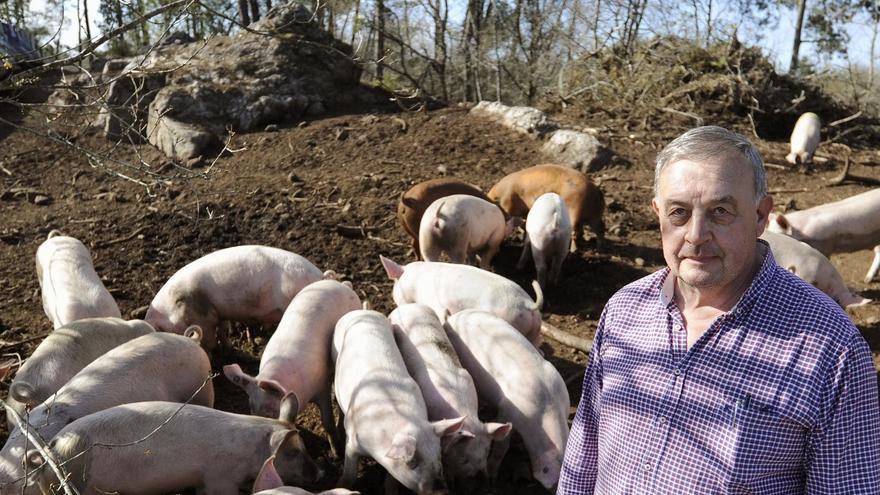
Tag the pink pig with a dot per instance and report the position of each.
(71, 289)
(525, 388)
(463, 227)
(448, 391)
(296, 361)
(166, 447)
(844, 226)
(242, 283)
(448, 288)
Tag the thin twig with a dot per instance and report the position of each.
(129, 237)
(566, 338)
(41, 447)
(25, 341)
(846, 119)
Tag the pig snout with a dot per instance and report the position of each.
(292, 461)
(195, 333)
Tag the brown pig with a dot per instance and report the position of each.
(414, 202)
(516, 193)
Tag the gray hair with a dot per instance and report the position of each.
(708, 142)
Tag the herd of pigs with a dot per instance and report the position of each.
(108, 405)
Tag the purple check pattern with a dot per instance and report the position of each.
(779, 396)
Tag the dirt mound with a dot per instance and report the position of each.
(672, 82)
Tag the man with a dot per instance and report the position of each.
(723, 373)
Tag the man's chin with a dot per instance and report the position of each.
(699, 279)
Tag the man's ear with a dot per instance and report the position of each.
(655, 206)
(765, 204)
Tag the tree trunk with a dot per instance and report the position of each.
(243, 12)
(255, 10)
(380, 39)
(795, 49)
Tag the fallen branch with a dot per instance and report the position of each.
(41, 447)
(782, 190)
(845, 176)
(25, 341)
(846, 119)
(775, 166)
(566, 338)
(698, 120)
(129, 237)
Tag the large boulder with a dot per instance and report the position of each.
(568, 147)
(186, 95)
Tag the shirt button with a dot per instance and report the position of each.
(662, 420)
(677, 372)
(646, 466)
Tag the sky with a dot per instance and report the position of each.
(776, 42)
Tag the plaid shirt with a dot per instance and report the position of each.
(779, 396)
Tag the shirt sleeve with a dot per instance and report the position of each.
(846, 445)
(578, 476)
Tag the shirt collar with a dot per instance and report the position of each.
(747, 300)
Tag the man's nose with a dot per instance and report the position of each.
(698, 230)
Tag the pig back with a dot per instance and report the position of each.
(415, 201)
(69, 349)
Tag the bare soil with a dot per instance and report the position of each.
(328, 189)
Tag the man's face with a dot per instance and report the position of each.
(709, 221)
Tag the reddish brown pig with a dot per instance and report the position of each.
(516, 193)
(414, 202)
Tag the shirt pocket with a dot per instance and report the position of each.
(766, 444)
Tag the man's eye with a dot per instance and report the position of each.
(678, 212)
(720, 210)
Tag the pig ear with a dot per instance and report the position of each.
(195, 333)
(272, 387)
(234, 374)
(448, 426)
(403, 447)
(393, 270)
(781, 221)
(289, 408)
(281, 438)
(34, 459)
(23, 392)
(497, 431)
(268, 478)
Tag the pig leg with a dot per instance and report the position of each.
(875, 265)
(323, 401)
(458, 254)
(524, 257)
(349, 466)
(487, 254)
(556, 267)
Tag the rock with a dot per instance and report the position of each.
(271, 128)
(41, 200)
(577, 150)
(184, 95)
(527, 120)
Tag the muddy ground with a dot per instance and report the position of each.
(328, 189)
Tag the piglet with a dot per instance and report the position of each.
(166, 447)
(448, 288)
(269, 482)
(844, 226)
(463, 227)
(296, 361)
(413, 203)
(448, 391)
(813, 267)
(384, 413)
(513, 377)
(64, 353)
(518, 191)
(548, 236)
(70, 287)
(157, 366)
(242, 283)
(804, 139)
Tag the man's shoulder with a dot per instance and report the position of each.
(797, 306)
(645, 290)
